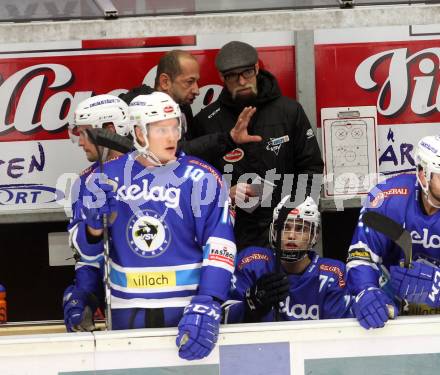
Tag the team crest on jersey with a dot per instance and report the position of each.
(274, 144)
(147, 234)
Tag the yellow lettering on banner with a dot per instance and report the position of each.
(151, 279)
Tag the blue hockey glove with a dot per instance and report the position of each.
(105, 203)
(78, 310)
(418, 284)
(198, 328)
(269, 290)
(372, 308)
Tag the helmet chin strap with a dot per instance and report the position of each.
(284, 256)
(104, 153)
(428, 198)
(428, 194)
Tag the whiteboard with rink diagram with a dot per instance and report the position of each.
(350, 150)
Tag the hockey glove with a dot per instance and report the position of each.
(105, 203)
(418, 284)
(269, 290)
(78, 310)
(198, 328)
(372, 308)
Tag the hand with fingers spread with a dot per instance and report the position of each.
(239, 133)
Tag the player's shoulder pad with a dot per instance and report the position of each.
(87, 171)
(398, 187)
(108, 164)
(252, 255)
(205, 167)
(334, 268)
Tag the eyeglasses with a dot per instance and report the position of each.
(235, 76)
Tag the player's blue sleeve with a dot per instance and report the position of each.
(89, 278)
(252, 263)
(337, 300)
(88, 271)
(365, 256)
(215, 235)
(89, 253)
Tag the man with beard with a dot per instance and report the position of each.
(289, 145)
(177, 75)
(373, 272)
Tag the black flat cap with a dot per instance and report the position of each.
(235, 55)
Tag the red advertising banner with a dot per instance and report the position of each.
(400, 78)
(40, 89)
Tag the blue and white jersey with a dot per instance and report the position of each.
(172, 237)
(399, 199)
(76, 194)
(87, 275)
(318, 293)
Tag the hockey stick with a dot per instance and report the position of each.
(108, 316)
(393, 230)
(279, 225)
(112, 140)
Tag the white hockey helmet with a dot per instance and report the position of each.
(301, 225)
(147, 109)
(428, 157)
(98, 111)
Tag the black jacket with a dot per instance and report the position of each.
(289, 145)
(208, 147)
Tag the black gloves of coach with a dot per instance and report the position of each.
(267, 292)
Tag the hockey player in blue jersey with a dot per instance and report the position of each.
(306, 287)
(412, 201)
(98, 112)
(172, 247)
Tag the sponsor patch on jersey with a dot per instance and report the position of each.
(359, 254)
(387, 193)
(251, 258)
(220, 252)
(309, 134)
(147, 234)
(151, 279)
(274, 144)
(234, 156)
(336, 270)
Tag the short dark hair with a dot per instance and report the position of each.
(169, 64)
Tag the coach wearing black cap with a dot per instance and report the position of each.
(288, 143)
